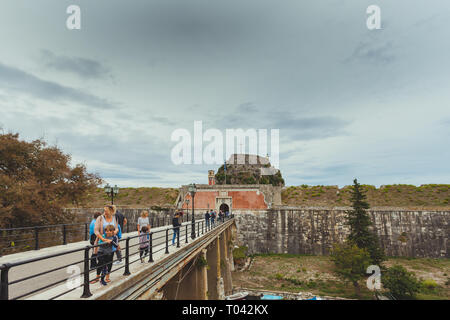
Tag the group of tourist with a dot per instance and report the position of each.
(106, 231)
(210, 217)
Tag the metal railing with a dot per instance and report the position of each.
(14, 240)
(201, 227)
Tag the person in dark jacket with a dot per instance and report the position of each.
(207, 217)
(176, 227)
(213, 217)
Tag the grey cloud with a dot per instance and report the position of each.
(373, 52)
(85, 68)
(25, 83)
(292, 127)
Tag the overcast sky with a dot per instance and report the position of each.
(349, 102)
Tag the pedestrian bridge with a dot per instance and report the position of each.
(197, 267)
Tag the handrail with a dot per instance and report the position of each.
(34, 234)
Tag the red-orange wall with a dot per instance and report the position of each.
(240, 200)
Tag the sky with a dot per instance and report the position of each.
(349, 102)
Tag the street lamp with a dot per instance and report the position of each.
(187, 209)
(192, 191)
(111, 191)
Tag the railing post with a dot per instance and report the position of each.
(64, 234)
(36, 238)
(150, 249)
(4, 292)
(178, 238)
(127, 257)
(85, 232)
(86, 289)
(167, 241)
(187, 232)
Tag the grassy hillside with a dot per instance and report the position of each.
(428, 196)
(135, 197)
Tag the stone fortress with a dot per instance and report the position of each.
(265, 225)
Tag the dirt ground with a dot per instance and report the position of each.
(302, 273)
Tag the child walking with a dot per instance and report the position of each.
(144, 238)
(106, 253)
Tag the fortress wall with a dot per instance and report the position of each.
(315, 230)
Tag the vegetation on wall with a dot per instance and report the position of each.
(430, 196)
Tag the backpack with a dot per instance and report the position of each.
(92, 239)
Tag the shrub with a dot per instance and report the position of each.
(401, 283)
(279, 276)
(429, 284)
(351, 263)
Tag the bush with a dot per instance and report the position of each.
(351, 263)
(279, 276)
(240, 253)
(429, 284)
(401, 283)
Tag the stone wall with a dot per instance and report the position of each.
(314, 230)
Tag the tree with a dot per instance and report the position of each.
(351, 263)
(400, 283)
(37, 182)
(360, 224)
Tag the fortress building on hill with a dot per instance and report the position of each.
(247, 187)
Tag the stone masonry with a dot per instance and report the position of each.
(315, 230)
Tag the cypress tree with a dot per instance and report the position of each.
(360, 225)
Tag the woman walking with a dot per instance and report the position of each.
(143, 221)
(107, 218)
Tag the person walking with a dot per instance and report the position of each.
(107, 218)
(143, 221)
(207, 217)
(106, 253)
(221, 215)
(176, 227)
(144, 239)
(92, 238)
(121, 220)
(213, 217)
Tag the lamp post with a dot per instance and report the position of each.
(111, 191)
(192, 191)
(187, 209)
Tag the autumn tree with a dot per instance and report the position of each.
(37, 182)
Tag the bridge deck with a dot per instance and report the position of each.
(118, 280)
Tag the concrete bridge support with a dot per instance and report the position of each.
(191, 283)
(225, 263)
(207, 276)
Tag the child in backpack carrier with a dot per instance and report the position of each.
(144, 243)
